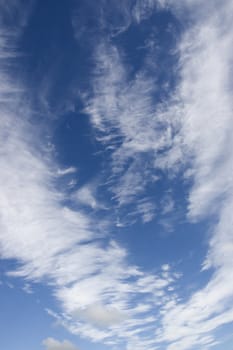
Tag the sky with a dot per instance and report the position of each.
(116, 172)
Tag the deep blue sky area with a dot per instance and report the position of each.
(116, 175)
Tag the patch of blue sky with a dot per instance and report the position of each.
(24, 321)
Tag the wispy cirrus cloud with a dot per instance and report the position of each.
(100, 293)
(192, 131)
(55, 243)
(205, 108)
(129, 122)
(102, 296)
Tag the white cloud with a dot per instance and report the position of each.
(206, 125)
(96, 287)
(27, 288)
(100, 315)
(92, 279)
(67, 171)
(53, 344)
(165, 267)
(146, 209)
(86, 196)
(200, 113)
(167, 204)
(145, 8)
(123, 111)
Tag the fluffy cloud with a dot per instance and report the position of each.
(100, 315)
(53, 344)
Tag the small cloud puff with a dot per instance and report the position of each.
(101, 315)
(53, 344)
(86, 197)
(66, 171)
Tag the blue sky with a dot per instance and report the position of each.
(116, 175)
